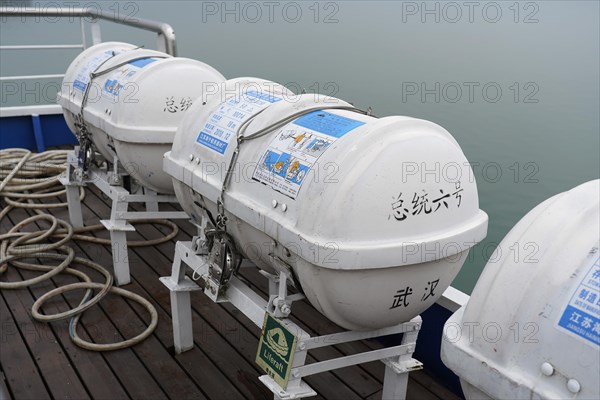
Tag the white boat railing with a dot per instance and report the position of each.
(165, 34)
(165, 38)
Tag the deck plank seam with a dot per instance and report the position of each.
(29, 351)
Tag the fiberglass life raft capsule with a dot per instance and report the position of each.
(134, 103)
(323, 197)
(531, 328)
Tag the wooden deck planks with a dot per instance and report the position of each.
(220, 366)
(224, 356)
(20, 371)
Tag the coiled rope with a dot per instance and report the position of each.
(26, 177)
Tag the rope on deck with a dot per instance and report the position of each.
(27, 177)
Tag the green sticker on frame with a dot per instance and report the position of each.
(276, 350)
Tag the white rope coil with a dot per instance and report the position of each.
(26, 177)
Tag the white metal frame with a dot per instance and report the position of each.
(109, 182)
(397, 359)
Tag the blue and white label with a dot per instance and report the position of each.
(268, 97)
(212, 142)
(581, 316)
(296, 148)
(119, 78)
(80, 85)
(223, 124)
(142, 62)
(328, 123)
(82, 78)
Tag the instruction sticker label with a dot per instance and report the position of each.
(276, 350)
(82, 79)
(328, 123)
(582, 314)
(296, 148)
(223, 124)
(123, 75)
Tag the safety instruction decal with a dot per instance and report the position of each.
(223, 124)
(582, 314)
(82, 79)
(296, 148)
(327, 123)
(120, 77)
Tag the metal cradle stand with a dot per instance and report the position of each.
(110, 183)
(398, 359)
